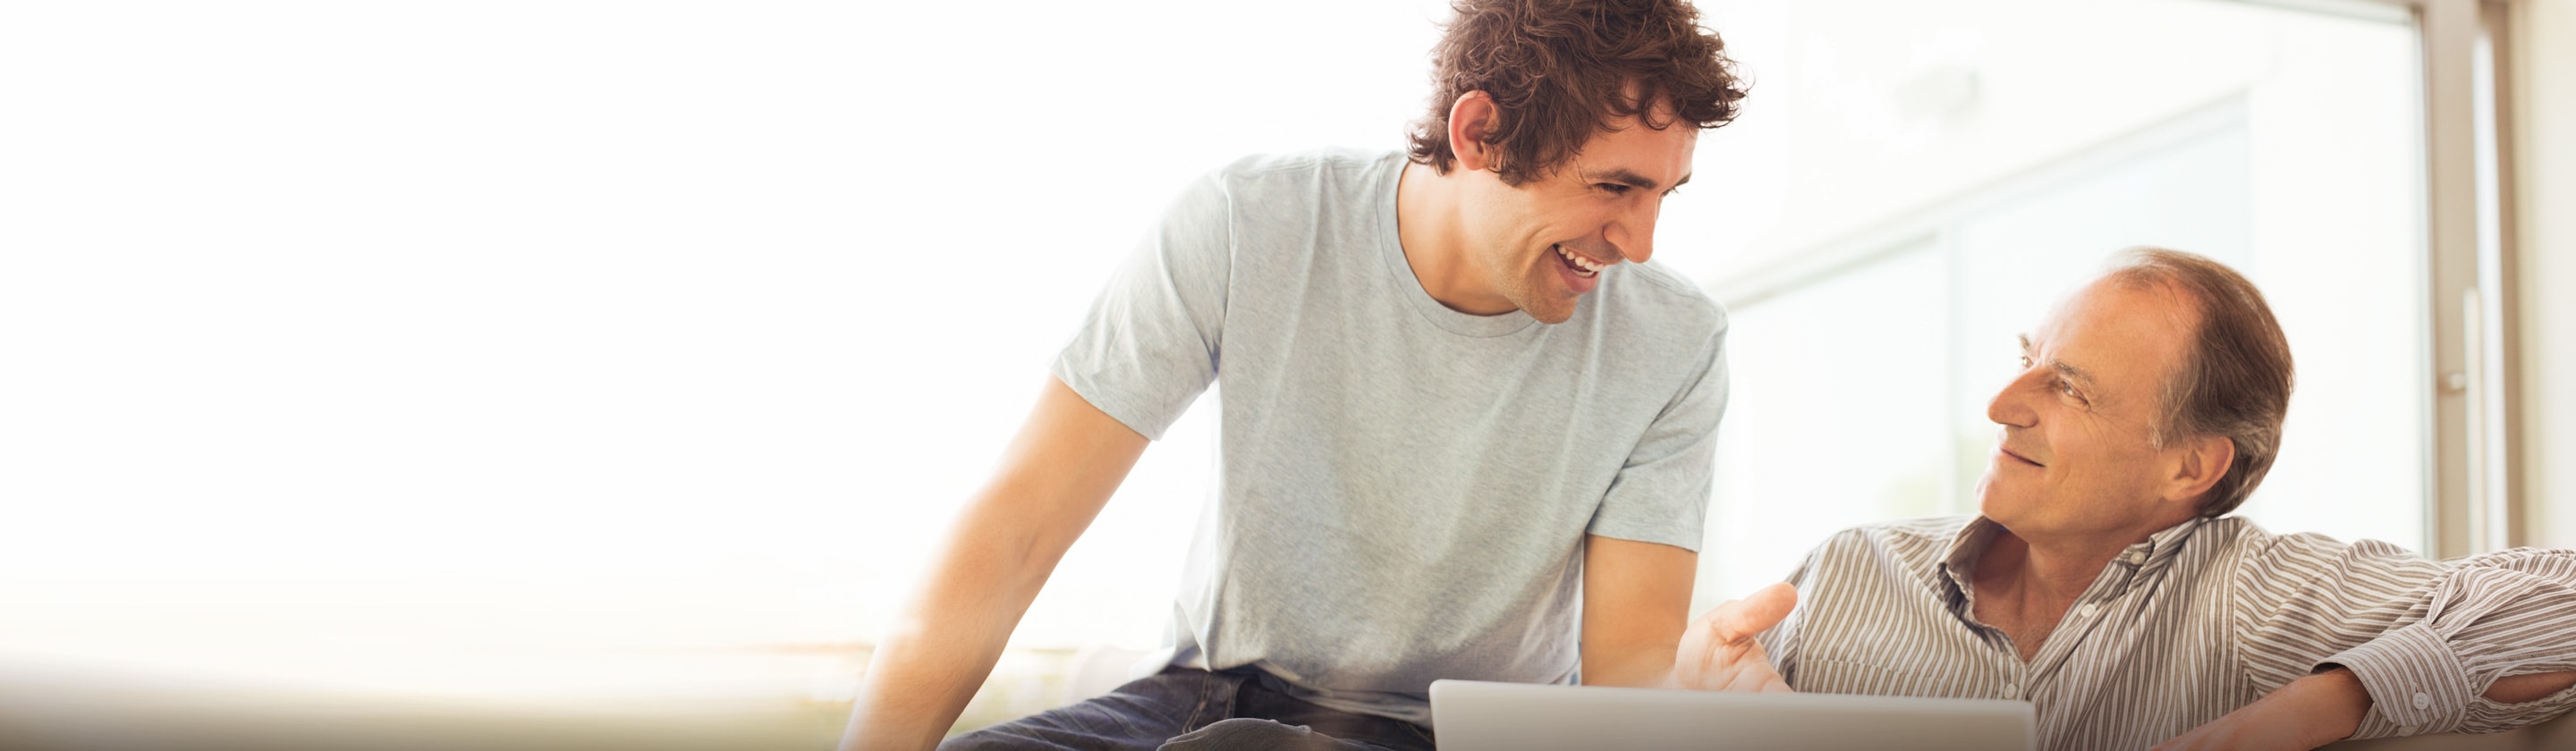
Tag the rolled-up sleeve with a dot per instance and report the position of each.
(2426, 638)
(1780, 641)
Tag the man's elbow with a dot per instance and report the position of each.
(2517, 689)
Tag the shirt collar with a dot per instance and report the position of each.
(2161, 546)
(1971, 541)
(1961, 560)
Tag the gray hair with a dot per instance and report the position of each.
(2235, 380)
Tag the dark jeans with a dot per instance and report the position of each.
(1181, 709)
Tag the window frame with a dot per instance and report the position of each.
(2475, 404)
(2474, 490)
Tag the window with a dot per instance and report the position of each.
(594, 354)
(1980, 161)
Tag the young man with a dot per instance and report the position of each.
(1459, 408)
(2104, 582)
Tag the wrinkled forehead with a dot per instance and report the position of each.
(2140, 325)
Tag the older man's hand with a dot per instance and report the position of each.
(2307, 713)
(1718, 653)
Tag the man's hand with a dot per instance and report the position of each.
(2308, 713)
(1718, 652)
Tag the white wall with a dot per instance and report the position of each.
(2544, 95)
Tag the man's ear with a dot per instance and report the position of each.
(2201, 461)
(1472, 119)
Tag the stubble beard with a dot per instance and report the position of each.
(1534, 292)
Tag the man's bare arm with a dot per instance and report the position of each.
(1054, 478)
(1636, 601)
(1636, 596)
(2516, 689)
(2329, 706)
(2306, 713)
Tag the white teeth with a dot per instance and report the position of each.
(1589, 268)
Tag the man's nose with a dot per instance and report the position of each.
(2011, 406)
(1633, 233)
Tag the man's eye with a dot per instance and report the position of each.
(1615, 188)
(2025, 362)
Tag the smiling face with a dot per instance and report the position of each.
(1540, 245)
(2077, 454)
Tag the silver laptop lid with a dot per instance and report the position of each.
(1484, 716)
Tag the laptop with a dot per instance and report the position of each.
(1486, 716)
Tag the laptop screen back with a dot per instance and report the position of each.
(1483, 716)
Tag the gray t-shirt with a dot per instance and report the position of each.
(1404, 488)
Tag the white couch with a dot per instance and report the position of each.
(2554, 735)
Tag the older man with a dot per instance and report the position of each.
(2104, 583)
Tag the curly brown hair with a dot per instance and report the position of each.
(1561, 70)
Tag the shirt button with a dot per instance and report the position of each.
(2012, 691)
(2423, 700)
(2405, 730)
(2088, 609)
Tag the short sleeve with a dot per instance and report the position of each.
(1661, 492)
(1152, 341)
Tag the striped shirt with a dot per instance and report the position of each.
(2197, 621)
